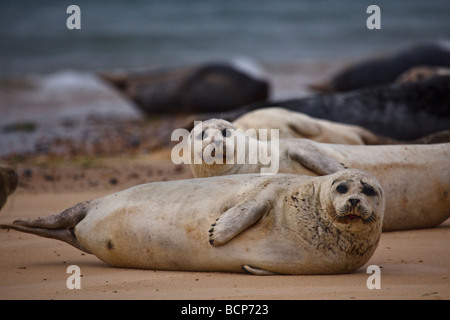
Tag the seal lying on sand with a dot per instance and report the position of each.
(386, 69)
(416, 178)
(8, 182)
(213, 87)
(288, 224)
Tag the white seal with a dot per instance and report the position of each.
(286, 224)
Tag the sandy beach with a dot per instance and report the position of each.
(107, 147)
(71, 136)
(413, 264)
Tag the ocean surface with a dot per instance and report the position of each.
(115, 34)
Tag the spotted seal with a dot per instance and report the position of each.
(286, 224)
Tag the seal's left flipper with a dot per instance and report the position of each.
(235, 220)
(314, 159)
(258, 272)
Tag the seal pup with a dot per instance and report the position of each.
(8, 182)
(285, 224)
(416, 178)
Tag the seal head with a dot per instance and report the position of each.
(354, 199)
(213, 148)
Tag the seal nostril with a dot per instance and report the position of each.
(354, 202)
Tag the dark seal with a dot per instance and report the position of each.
(212, 87)
(385, 70)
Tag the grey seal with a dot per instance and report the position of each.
(386, 69)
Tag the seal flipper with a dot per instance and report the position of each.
(314, 159)
(235, 220)
(58, 226)
(258, 272)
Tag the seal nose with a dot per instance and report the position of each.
(353, 202)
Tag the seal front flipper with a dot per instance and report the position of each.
(235, 220)
(258, 272)
(313, 158)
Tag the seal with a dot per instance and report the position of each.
(8, 182)
(285, 224)
(416, 178)
(383, 70)
(293, 124)
(210, 87)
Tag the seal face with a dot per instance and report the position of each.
(354, 201)
(214, 148)
(284, 223)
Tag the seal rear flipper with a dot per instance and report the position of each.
(66, 235)
(314, 159)
(235, 220)
(59, 226)
(258, 272)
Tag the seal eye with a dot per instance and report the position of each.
(369, 191)
(226, 133)
(342, 189)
